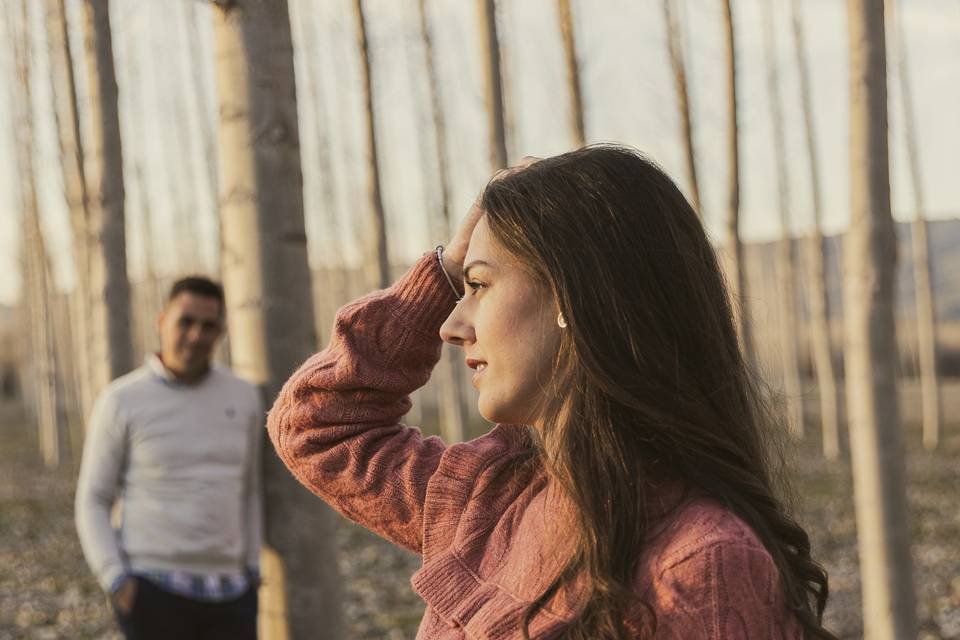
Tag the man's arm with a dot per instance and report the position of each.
(101, 469)
(254, 494)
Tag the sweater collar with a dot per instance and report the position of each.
(153, 362)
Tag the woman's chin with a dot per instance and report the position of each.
(498, 413)
(491, 412)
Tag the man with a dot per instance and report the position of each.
(179, 441)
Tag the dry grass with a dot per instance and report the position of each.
(46, 590)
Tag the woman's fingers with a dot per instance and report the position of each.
(456, 249)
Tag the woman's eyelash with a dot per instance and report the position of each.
(476, 286)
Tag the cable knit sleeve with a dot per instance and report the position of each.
(723, 591)
(336, 423)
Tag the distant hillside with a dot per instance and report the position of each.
(944, 236)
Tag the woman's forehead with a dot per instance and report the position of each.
(479, 246)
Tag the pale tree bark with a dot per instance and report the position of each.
(43, 347)
(493, 81)
(204, 109)
(183, 180)
(733, 244)
(134, 102)
(883, 532)
(786, 258)
(110, 344)
(336, 290)
(36, 289)
(922, 279)
(380, 262)
(675, 47)
(267, 283)
(453, 405)
(63, 86)
(70, 427)
(568, 34)
(151, 290)
(816, 271)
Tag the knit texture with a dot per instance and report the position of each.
(492, 536)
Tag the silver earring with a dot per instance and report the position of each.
(562, 321)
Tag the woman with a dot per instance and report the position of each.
(625, 491)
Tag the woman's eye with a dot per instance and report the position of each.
(474, 285)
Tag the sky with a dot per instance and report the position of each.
(628, 98)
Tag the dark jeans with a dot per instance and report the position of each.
(160, 615)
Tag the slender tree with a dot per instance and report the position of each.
(815, 258)
(339, 277)
(39, 303)
(568, 34)
(203, 107)
(786, 258)
(36, 269)
(70, 427)
(134, 92)
(922, 279)
(733, 244)
(110, 344)
(493, 77)
(453, 406)
(378, 222)
(267, 280)
(678, 64)
(335, 286)
(883, 534)
(66, 113)
(184, 181)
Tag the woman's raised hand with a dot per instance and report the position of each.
(456, 250)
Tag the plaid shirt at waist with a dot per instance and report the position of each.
(208, 588)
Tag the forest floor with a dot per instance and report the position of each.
(47, 592)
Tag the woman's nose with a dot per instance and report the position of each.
(455, 329)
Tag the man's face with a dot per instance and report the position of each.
(189, 326)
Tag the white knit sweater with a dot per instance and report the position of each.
(183, 462)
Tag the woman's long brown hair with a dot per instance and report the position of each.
(651, 372)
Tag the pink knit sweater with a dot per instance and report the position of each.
(491, 538)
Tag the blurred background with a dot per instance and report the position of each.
(390, 119)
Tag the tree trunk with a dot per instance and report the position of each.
(36, 290)
(267, 284)
(453, 406)
(493, 76)
(191, 178)
(889, 604)
(149, 297)
(335, 282)
(204, 110)
(816, 272)
(153, 298)
(40, 304)
(69, 430)
(786, 259)
(110, 344)
(733, 245)
(377, 256)
(678, 65)
(67, 117)
(573, 72)
(922, 279)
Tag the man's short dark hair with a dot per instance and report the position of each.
(198, 286)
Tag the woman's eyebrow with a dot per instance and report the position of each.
(474, 263)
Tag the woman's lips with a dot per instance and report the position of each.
(479, 366)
